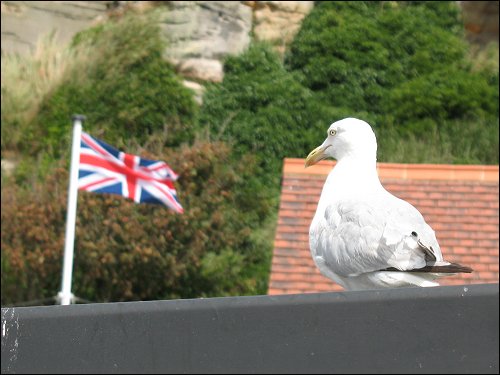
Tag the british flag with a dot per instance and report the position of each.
(104, 169)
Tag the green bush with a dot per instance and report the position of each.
(27, 80)
(262, 109)
(442, 95)
(401, 66)
(129, 90)
(405, 65)
(356, 51)
(126, 251)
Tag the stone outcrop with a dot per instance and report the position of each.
(200, 34)
(481, 20)
(278, 21)
(24, 22)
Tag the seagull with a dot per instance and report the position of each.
(363, 237)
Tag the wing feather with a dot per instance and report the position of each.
(355, 237)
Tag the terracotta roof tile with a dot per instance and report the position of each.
(459, 202)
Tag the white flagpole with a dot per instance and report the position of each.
(65, 296)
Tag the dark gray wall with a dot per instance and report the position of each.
(420, 330)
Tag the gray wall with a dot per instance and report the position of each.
(420, 330)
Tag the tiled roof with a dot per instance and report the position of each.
(459, 202)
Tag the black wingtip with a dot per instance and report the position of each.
(448, 268)
(455, 267)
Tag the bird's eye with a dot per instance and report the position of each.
(332, 132)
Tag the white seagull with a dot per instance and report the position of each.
(362, 236)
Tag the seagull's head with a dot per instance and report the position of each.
(349, 137)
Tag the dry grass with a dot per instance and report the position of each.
(28, 79)
(484, 57)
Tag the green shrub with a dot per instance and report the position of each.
(262, 109)
(126, 251)
(441, 96)
(404, 64)
(129, 91)
(355, 51)
(27, 80)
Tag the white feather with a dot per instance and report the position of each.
(360, 228)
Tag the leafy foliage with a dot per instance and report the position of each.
(404, 64)
(129, 90)
(262, 109)
(27, 80)
(125, 251)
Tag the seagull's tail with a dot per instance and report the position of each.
(438, 267)
(444, 268)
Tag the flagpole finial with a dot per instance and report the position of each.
(77, 117)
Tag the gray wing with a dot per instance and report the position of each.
(355, 237)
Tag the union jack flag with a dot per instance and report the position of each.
(104, 169)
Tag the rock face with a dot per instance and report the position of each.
(201, 33)
(24, 22)
(481, 20)
(279, 21)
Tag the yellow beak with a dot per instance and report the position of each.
(316, 155)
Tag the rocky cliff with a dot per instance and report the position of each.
(200, 33)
